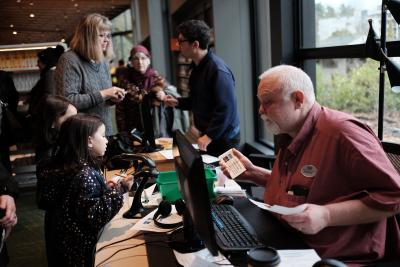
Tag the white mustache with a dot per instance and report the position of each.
(265, 118)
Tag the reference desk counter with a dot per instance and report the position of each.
(134, 252)
(161, 162)
(118, 229)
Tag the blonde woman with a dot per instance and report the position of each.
(83, 74)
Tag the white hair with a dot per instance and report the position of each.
(290, 78)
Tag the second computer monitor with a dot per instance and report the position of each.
(148, 138)
(193, 186)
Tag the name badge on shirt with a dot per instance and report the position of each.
(309, 170)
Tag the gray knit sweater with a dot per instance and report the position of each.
(81, 81)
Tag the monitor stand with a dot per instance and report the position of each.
(191, 241)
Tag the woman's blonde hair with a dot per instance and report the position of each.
(85, 41)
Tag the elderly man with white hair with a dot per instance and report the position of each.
(332, 163)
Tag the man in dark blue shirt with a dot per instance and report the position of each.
(212, 91)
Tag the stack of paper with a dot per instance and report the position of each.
(201, 258)
(230, 191)
(298, 257)
(230, 188)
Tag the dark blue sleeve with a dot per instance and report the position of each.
(225, 109)
(185, 103)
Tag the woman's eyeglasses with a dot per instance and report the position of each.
(104, 36)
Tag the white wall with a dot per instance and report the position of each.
(232, 44)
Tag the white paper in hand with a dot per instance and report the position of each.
(233, 164)
(279, 209)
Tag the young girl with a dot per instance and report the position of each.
(83, 202)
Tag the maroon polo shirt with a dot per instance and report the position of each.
(338, 158)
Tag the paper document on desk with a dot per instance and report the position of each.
(209, 159)
(234, 192)
(167, 153)
(279, 209)
(298, 257)
(229, 187)
(147, 223)
(201, 258)
(196, 146)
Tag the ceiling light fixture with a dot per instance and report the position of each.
(32, 15)
(31, 4)
(76, 5)
(15, 32)
(31, 46)
(11, 25)
(63, 40)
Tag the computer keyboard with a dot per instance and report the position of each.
(233, 232)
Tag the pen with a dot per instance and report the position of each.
(298, 190)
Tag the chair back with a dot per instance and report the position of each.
(393, 152)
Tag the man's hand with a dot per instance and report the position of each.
(245, 161)
(312, 220)
(170, 101)
(203, 142)
(10, 218)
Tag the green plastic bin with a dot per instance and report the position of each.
(168, 184)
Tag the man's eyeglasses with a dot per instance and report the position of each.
(180, 41)
(103, 36)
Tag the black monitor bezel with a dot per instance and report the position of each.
(148, 137)
(193, 187)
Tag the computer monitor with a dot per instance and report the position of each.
(193, 186)
(148, 141)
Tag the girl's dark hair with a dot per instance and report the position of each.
(195, 30)
(72, 143)
(50, 108)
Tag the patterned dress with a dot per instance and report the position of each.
(82, 205)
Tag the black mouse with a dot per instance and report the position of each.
(223, 199)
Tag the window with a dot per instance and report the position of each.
(122, 36)
(335, 59)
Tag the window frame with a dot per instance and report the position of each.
(305, 26)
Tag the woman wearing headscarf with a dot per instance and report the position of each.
(141, 79)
